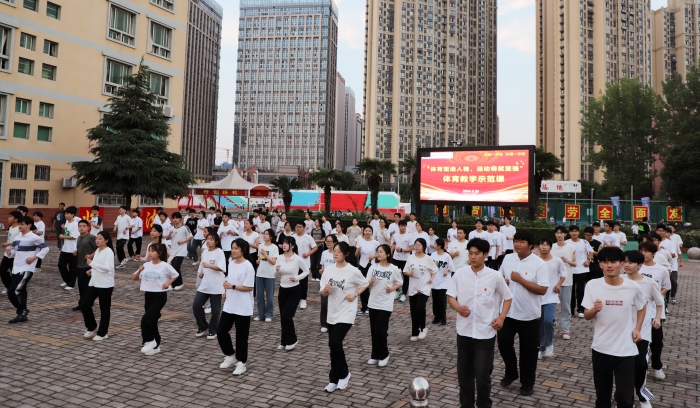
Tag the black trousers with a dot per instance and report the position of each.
(17, 291)
(154, 303)
(674, 286)
(83, 282)
(5, 267)
(120, 249)
(288, 300)
(242, 324)
(176, 263)
(492, 263)
(577, 291)
(339, 366)
(38, 263)
(439, 305)
(315, 262)
(68, 266)
(401, 265)
(304, 287)
(364, 296)
(227, 255)
(417, 305)
(641, 366)
(657, 345)
(129, 246)
(529, 334)
(607, 368)
(88, 300)
(379, 329)
(475, 364)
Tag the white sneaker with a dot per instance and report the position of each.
(280, 347)
(549, 351)
(100, 338)
(89, 334)
(169, 289)
(566, 336)
(343, 384)
(402, 298)
(302, 304)
(4, 292)
(211, 336)
(148, 346)
(372, 361)
(645, 404)
(240, 369)
(178, 287)
(422, 334)
(200, 333)
(123, 262)
(659, 374)
(397, 294)
(673, 300)
(39, 270)
(360, 313)
(152, 352)
(256, 318)
(68, 288)
(580, 315)
(414, 338)
(228, 362)
(324, 329)
(207, 310)
(290, 347)
(539, 355)
(384, 362)
(330, 387)
(268, 319)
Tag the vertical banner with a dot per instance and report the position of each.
(639, 212)
(674, 214)
(605, 212)
(148, 214)
(542, 213)
(492, 211)
(476, 211)
(616, 203)
(572, 212)
(511, 212)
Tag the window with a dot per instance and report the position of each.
(41, 197)
(51, 48)
(111, 200)
(159, 87)
(116, 72)
(42, 173)
(44, 134)
(122, 25)
(161, 38)
(48, 72)
(5, 47)
(18, 171)
(27, 41)
(21, 130)
(23, 106)
(150, 202)
(166, 4)
(17, 196)
(25, 66)
(30, 4)
(53, 10)
(3, 115)
(45, 110)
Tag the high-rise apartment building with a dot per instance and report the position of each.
(582, 45)
(359, 135)
(430, 75)
(285, 85)
(201, 87)
(675, 40)
(339, 137)
(60, 62)
(351, 143)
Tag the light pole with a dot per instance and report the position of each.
(593, 189)
(398, 191)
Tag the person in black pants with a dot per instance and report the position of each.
(68, 259)
(101, 286)
(86, 246)
(287, 268)
(136, 237)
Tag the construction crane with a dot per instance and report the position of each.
(228, 152)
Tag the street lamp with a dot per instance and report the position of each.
(593, 189)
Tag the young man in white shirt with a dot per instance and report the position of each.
(635, 230)
(180, 236)
(402, 245)
(452, 232)
(621, 236)
(26, 249)
(567, 253)
(40, 231)
(679, 242)
(411, 224)
(211, 216)
(68, 259)
(617, 308)
(508, 231)
(95, 220)
(165, 223)
(136, 233)
(7, 259)
(528, 279)
(121, 226)
(263, 225)
(596, 232)
(557, 273)
(457, 249)
(675, 251)
(476, 338)
(494, 238)
(375, 221)
(581, 271)
(479, 231)
(394, 227)
(610, 238)
(306, 246)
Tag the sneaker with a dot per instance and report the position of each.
(76, 309)
(580, 315)
(526, 391)
(673, 300)
(360, 313)
(268, 319)
(324, 329)
(123, 262)
(645, 404)
(19, 318)
(280, 347)
(211, 336)
(195, 263)
(402, 298)
(68, 288)
(228, 362)
(58, 251)
(152, 352)
(302, 304)
(343, 384)
(422, 334)
(200, 333)
(330, 387)
(549, 351)
(63, 284)
(383, 363)
(88, 334)
(290, 347)
(372, 361)
(4, 292)
(169, 289)
(120, 266)
(100, 338)
(366, 312)
(566, 336)
(148, 346)
(539, 355)
(37, 269)
(207, 310)
(414, 338)
(659, 374)
(179, 287)
(397, 294)
(240, 369)
(256, 318)
(506, 382)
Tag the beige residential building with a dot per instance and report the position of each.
(675, 40)
(583, 44)
(59, 63)
(430, 76)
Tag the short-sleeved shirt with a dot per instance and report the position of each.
(70, 229)
(305, 244)
(250, 239)
(343, 281)
(659, 274)
(463, 258)
(122, 226)
(137, 222)
(610, 239)
(444, 264)
(651, 292)
(526, 305)
(567, 251)
(422, 269)
(508, 232)
(154, 276)
(483, 235)
(265, 268)
(201, 223)
(40, 227)
(238, 302)
(385, 277)
(180, 233)
(228, 234)
(583, 249)
(402, 241)
(96, 220)
(367, 249)
(289, 268)
(213, 281)
(556, 270)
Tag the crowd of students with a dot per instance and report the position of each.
(500, 282)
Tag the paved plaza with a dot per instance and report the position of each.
(46, 362)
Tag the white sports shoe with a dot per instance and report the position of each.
(152, 352)
(302, 304)
(645, 404)
(256, 318)
(423, 334)
(280, 347)
(659, 374)
(324, 329)
(68, 288)
(195, 263)
(169, 289)
(89, 334)
(100, 338)
(372, 361)
(211, 336)
(4, 292)
(291, 346)
(384, 362)
(148, 346)
(179, 288)
(240, 369)
(268, 319)
(207, 310)
(228, 362)
(414, 338)
(549, 351)
(539, 355)
(566, 336)
(580, 315)
(402, 298)
(343, 384)
(63, 284)
(331, 387)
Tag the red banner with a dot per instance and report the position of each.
(239, 193)
(605, 212)
(85, 213)
(512, 213)
(148, 214)
(674, 214)
(639, 212)
(476, 211)
(572, 212)
(542, 213)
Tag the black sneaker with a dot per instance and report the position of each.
(21, 317)
(75, 309)
(436, 321)
(506, 382)
(526, 391)
(444, 322)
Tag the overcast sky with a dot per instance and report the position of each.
(516, 66)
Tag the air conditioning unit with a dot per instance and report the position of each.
(168, 111)
(70, 182)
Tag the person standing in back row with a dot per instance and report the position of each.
(7, 259)
(121, 226)
(59, 219)
(581, 271)
(402, 244)
(565, 251)
(306, 247)
(86, 245)
(135, 233)
(68, 260)
(100, 286)
(40, 231)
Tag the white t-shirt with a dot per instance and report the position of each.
(483, 293)
(431, 241)
(411, 226)
(122, 226)
(326, 258)
(228, 234)
(678, 240)
(622, 237)
(663, 258)
(402, 241)
(265, 268)
(583, 248)
(672, 249)
(385, 277)
(614, 324)
(180, 233)
(526, 305)
(12, 234)
(343, 238)
(262, 227)
(241, 228)
(423, 235)
(556, 271)
(327, 228)
(305, 243)
(137, 222)
(444, 264)
(154, 276)
(463, 258)
(380, 235)
(344, 281)
(70, 229)
(308, 226)
(201, 223)
(167, 226)
(213, 281)
(610, 239)
(40, 227)
(452, 234)
(650, 290)
(483, 235)
(374, 224)
(238, 302)
(289, 268)
(508, 232)
(568, 251)
(367, 249)
(393, 229)
(598, 238)
(494, 239)
(94, 230)
(250, 239)
(635, 229)
(210, 218)
(659, 274)
(422, 269)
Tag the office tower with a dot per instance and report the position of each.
(581, 46)
(675, 30)
(430, 76)
(201, 87)
(59, 64)
(339, 137)
(359, 136)
(352, 149)
(285, 86)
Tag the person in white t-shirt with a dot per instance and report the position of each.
(445, 269)
(228, 231)
(167, 226)
(308, 223)
(609, 238)
(211, 216)
(557, 274)
(68, 259)
(198, 238)
(581, 271)
(307, 247)
(565, 251)
(238, 307)
(210, 281)
(596, 232)
(679, 242)
(374, 223)
(411, 224)
(327, 258)
(40, 231)
(452, 232)
(394, 227)
(420, 271)
(382, 235)
(458, 249)
(156, 277)
(419, 232)
(675, 251)
(402, 244)
(528, 279)
(135, 233)
(507, 231)
(479, 231)
(326, 225)
(365, 251)
(431, 240)
(288, 267)
(494, 238)
(343, 284)
(265, 279)
(617, 307)
(121, 226)
(95, 220)
(476, 289)
(622, 237)
(263, 225)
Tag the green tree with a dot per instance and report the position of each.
(130, 146)
(680, 129)
(409, 167)
(621, 124)
(346, 180)
(547, 165)
(284, 185)
(373, 170)
(326, 179)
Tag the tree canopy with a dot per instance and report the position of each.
(373, 170)
(284, 185)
